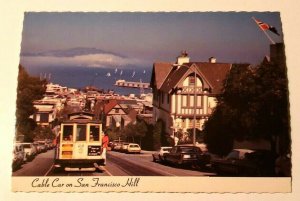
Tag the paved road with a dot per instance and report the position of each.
(39, 166)
(118, 164)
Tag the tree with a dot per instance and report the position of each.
(273, 119)
(254, 105)
(129, 131)
(137, 130)
(157, 133)
(41, 133)
(29, 89)
(141, 130)
(147, 141)
(114, 133)
(226, 122)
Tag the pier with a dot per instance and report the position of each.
(123, 83)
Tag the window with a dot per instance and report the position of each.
(191, 101)
(44, 117)
(184, 101)
(199, 101)
(94, 133)
(81, 133)
(116, 110)
(67, 133)
(192, 80)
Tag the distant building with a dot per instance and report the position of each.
(45, 113)
(55, 89)
(117, 112)
(173, 91)
(112, 110)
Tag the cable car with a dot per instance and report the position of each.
(79, 144)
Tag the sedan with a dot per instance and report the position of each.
(117, 147)
(133, 148)
(159, 155)
(30, 151)
(245, 162)
(18, 156)
(124, 147)
(186, 154)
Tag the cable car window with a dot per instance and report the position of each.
(94, 133)
(68, 133)
(81, 133)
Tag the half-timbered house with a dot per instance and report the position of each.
(173, 91)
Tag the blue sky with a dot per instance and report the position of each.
(139, 39)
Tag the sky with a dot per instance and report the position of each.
(122, 40)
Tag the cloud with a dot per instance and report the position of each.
(78, 57)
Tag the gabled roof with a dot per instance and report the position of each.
(173, 78)
(213, 73)
(110, 105)
(160, 72)
(80, 115)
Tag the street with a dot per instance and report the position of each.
(118, 164)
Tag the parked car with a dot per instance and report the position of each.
(245, 162)
(124, 147)
(133, 148)
(114, 143)
(30, 151)
(187, 154)
(18, 156)
(159, 155)
(36, 144)
(42, 146)
(117, 147)
(49, 144)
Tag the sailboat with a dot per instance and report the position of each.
(133, 74)
(116, 70)
(144, 71)
(108, 74)
(121, 72)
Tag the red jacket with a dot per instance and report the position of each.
(105, 141)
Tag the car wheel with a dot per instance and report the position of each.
(154, 160)
(58, 169)
(160, 157)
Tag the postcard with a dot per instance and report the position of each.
(152, 102)
(114, 101)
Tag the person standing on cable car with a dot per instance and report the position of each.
(105, 141)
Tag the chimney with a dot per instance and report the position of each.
(183, 58)
(277, 55)
(212, 60)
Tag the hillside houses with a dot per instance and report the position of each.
(119, 112)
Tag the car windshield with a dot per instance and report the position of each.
(188, 149)
(233, 155)
(26, 145)
(134, 146)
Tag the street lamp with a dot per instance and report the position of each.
(195, 100)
